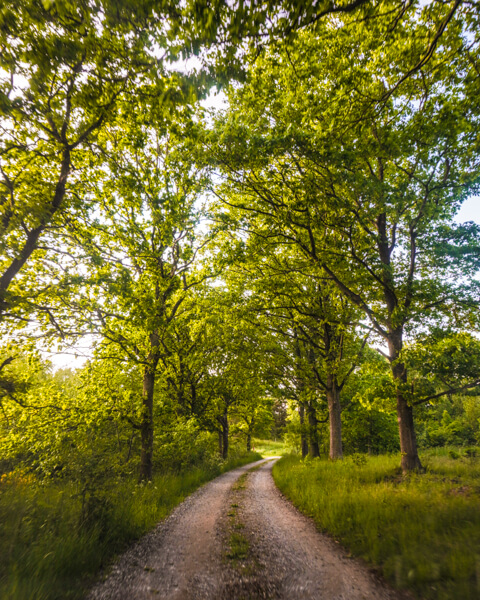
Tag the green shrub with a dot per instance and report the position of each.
(369, 431)
(471, 452)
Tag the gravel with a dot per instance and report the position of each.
(295, 560)
(186, 557)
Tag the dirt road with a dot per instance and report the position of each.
(237, 538)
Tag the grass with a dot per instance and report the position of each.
(422, 531)
(269, 447)
(240, 483)
(55, 537)
(238, 547)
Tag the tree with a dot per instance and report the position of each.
(64, 66)
(223, 376)
(254, 416)
(443, 363)
(367, 194)
(141, 242)
(292, 301)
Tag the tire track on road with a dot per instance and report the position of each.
(279, 554)
(182, 558)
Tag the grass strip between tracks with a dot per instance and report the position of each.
(237, 547)
(422, 531)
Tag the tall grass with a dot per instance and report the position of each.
(55, 536)
(422, 530)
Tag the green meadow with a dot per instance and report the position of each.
(421, 531)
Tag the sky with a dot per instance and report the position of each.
(470, 211)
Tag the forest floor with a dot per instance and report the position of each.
(238, 538)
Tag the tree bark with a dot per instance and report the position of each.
(314, 450)
(249, 442)
(33, 235)
(335, 418)
(408, 441)
(225, 429)
(223, 435)
(303, 435)
(146, 426)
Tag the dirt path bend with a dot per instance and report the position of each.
(237, 538)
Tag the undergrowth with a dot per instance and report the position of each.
(422, 530)
(55, 536)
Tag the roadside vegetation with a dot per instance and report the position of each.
(421, 531)
(56, 536)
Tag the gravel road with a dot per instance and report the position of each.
(237, 538)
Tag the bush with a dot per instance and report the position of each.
(184, 446)
(453, 454)
(369, 431)
(471, 452)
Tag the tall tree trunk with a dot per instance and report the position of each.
(223, 433)
(408, 440)
(225, 428)
(304, 438)
(312, 431)
(303, 434)
(146, 425)
(335, 418)
(249, 441)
